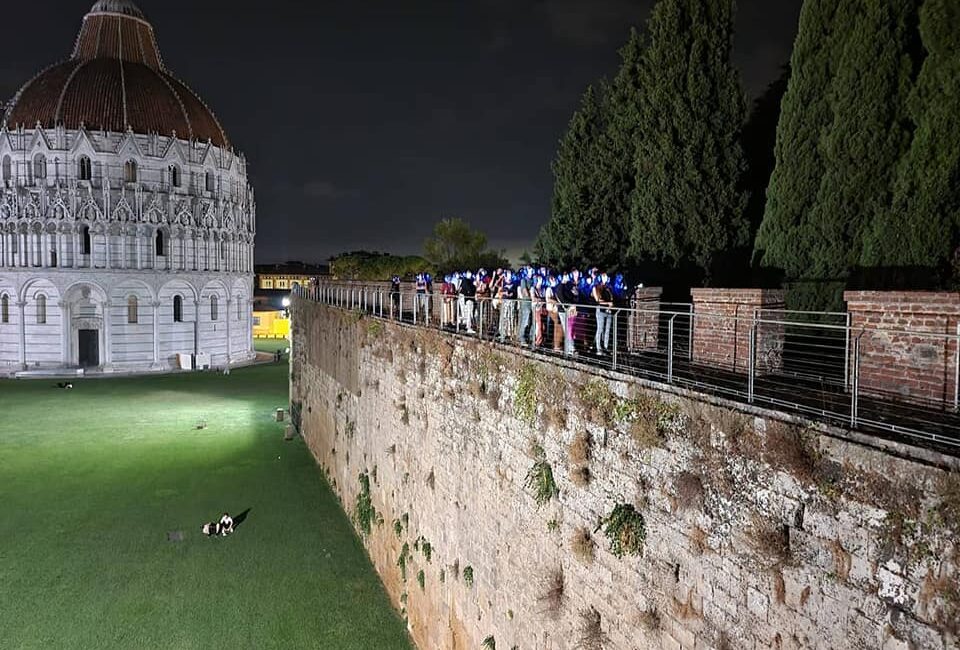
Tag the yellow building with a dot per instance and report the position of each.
(282, 277)
(270, 325)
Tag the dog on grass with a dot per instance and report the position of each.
(220, 528)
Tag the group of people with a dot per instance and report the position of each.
(536, 307)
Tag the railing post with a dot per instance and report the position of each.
(613, 358)
(956, 370)
(690, 336)
(855, 393)
(416, 306)
(752, 361)
(846, 355)
(670, 349)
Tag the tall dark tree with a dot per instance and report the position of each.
(842, 132)
(805, 113)
(576, 232)
(867, 136)
(920, 226)
(688, 204)
(594, 173)
(759, 141)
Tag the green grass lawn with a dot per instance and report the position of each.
(270, 345)
(91, 481)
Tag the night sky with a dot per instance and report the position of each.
(365, 122)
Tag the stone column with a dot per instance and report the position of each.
(64, 332)
(196, 327)
(229, 341)
(139, 244)
(76, 250)
(722, 322)
(156, 335)
(107, 365)
(123, 248)
(22, 304)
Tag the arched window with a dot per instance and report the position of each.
(7, 172)
(41, 309)
(4, 308)
(211, 182)
(160, 244)
(84, 169)
(177, 309)
(174, 172)
(132, 312)
(39, 166)
(84, 240)
(214, 308)
(130, 171)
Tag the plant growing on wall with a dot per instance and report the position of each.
(403, 559)
(626, 530)
(489, 643)
(365, 514)
(468, 575)
(421, 579)
(540, 480)
(397, 528)
(427, 549)
(525, 399)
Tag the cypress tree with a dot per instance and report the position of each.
(841, 135)
(867, 137)
(594, 173)
(687, 209)
(920, 226)
(805, 114)
(569, 237)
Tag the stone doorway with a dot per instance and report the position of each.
(88, 348)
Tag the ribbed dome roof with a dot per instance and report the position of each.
(115, 80)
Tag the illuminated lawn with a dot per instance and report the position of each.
(93, 479)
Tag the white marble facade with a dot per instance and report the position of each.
(119, 250)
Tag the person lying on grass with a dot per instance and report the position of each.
(222, 528)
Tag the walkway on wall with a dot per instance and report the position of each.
(811, 366)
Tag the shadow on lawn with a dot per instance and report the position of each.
(239, 519)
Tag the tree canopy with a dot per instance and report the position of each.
(456, 246)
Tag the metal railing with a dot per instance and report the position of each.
(812, 364)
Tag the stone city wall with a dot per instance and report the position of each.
(508, 501)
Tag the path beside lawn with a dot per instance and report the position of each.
(92, 480)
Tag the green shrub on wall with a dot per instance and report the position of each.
(626, 530)
(365, 514)
(525, 400)
(468, 576)
(540, 480)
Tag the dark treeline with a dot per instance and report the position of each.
(846, 174)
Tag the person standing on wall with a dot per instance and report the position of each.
(603, 297)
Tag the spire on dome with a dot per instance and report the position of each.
(117, 29)
(125, 7)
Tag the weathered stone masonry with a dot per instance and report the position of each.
(756, 533)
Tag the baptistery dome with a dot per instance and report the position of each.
(126, 220)
(115, 81)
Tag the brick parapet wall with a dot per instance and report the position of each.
(433, 420)
(644, 319)
(897, 361)
(723, 319)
